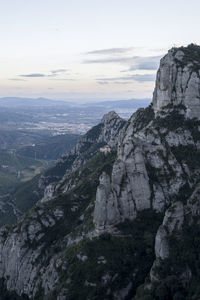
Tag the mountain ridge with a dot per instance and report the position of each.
(112, 225)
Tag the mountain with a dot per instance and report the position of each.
(123, 104)
(14, 102)
(24, 102)
(125, 108)
(119, 216)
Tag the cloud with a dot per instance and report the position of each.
(17, 79)
(103, 82)
(53, 73)
(144, 77)
(134, 63)
(163, 50)
(33, 75)
(112, 51)
(63, 79)
(145, 63)
(135, 77)
(59, 71)
(122, 60)
(121, 82)
(113, 82)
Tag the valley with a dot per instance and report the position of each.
(34, 133)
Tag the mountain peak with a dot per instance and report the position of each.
(110, 116)
(178, 80)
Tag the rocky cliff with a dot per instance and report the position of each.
(126, 223)
(178, 80)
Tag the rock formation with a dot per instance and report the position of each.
(178, 81)
(92, 235)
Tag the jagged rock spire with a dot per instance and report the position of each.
(178, 80)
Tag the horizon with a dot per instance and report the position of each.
(102, 51)
(76, 101)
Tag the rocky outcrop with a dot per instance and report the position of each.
(178, 81)
(172, 222)
(148, 172)
(105, 133)
(127, 193)
(19, 258)
(106, 210)
(111, 126)
(177, 216)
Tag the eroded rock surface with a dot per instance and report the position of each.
(178, 81)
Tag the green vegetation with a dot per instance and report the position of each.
(15, 169)
(111, 262)
(17, 161)
(187, 154)
(7, 215)
(14, 139)
(9, 295)
(23, 198)
(86, 180)
(57, 172)
(143, 117)
(27, 194)
(170, 121)
(180, 273)
(94, 132)
(50, 148)
(191, 55)
(87, 151)
(175, 119)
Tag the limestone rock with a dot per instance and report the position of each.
(106, 211)
(173, 221)
(178, 82)
(48, 193)
(161, 243)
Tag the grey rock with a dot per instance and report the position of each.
(177, 83)
(106, 211)
(48, 193)
(122, 294)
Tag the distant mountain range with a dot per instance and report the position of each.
(17, 102)
(131, 103)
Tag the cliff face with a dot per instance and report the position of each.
(150, 170)
(178, 81)
(92, 235)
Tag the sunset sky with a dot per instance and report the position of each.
(89, 49)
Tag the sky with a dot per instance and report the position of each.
(89, 49)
